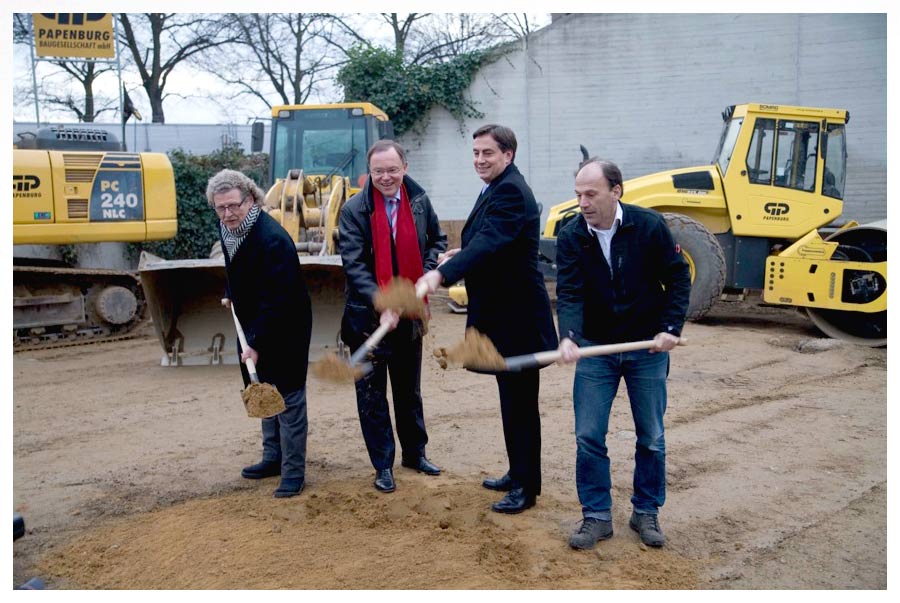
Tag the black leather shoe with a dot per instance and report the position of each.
(384, 480)
(262, 469)
(422, 465)
(289, 487)
(501, 484)
(515, 502)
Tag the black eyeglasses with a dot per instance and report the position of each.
(231, 207)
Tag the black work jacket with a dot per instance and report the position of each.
(272, 303)
(358, 257)
(508, 301)
(647, 293)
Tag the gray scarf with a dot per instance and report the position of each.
(233, 239)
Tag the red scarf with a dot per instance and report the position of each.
(409, 258)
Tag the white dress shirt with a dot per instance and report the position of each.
(605, 236)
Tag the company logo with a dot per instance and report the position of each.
(73, 18)
(25, 183)
(776, 209)
(84, 35)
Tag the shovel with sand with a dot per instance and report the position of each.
(261, 400)
(401, 296)
(477, 353)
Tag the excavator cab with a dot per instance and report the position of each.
(317, 161)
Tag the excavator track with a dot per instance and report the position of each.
(57, 307)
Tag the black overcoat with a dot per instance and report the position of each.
(272, 303)
(508, 301)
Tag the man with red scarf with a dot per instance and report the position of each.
(389, 229)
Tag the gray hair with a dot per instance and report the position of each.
(610, 170)
(228, 180)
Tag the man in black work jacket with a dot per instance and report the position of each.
(620, 277)
(389, 229)
(272, 304)
(508, 302)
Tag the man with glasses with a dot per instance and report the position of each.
(264, 283)
(389, 229)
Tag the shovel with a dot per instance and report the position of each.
(333, 369)
(528, 361)
(356, 360)
(261, 400)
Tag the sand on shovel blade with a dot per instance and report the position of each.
(262, 401)
(475, 352)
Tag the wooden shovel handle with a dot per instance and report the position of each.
(518, 363)
(251, 368)
(373, 340)
(382, 330)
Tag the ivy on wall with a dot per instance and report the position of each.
(407, 92)
(197, 223)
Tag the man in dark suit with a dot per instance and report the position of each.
(389, 229)
(270, 299)
(508, 302)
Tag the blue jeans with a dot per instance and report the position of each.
(284, 436)
(596, 382)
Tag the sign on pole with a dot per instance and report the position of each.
(82, 35)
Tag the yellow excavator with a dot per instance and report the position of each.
(317, 160)
(750, 221)
(73, 186)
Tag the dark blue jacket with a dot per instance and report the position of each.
(647, 294)
(508, 301)
(272, 303)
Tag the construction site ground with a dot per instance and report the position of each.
(128, 475)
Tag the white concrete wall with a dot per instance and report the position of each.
(647, 91)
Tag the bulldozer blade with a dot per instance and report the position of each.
(184, 300)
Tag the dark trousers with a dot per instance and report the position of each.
(401, 356)
(522, 426)
(284, 436)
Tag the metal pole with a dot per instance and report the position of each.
(121, 85)
(37, 111)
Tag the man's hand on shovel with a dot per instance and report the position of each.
(332, 368)
(261, 400)
(247, 352)
(569, 351)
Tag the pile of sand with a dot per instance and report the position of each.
(432, 533)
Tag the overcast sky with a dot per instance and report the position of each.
(189, 101)
(191, 97)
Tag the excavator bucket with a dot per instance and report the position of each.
(184, 300)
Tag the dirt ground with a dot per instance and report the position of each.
(128, 475)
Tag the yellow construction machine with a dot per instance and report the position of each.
(317, 160)
(750, 221)
(73, 186)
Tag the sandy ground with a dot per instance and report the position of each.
(127, 474)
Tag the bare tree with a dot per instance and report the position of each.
(522, 24)
(55, 88)
(421, 38)
(161, 42)
(276, 57)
